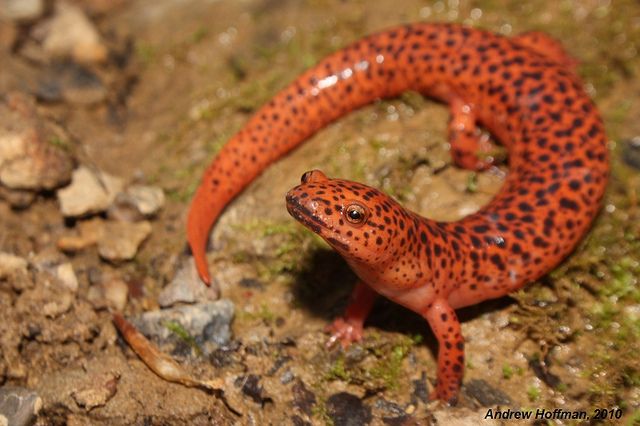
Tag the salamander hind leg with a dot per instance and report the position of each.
(444, 323)
(467, 146)
(348, 328)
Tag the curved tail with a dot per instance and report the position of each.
(378, 66)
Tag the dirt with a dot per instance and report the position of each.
(184, 75)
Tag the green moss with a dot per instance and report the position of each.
(264, 314)
(533, 393)
(145, 53)
(338, 370)
(507, 371)
(60, 143)
(177, 329)
(388, 367)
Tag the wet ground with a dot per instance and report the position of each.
(150, 103)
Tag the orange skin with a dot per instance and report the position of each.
(523, 90)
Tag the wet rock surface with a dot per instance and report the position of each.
(346, 409)
(186, 287)
(18, 406)
(90, 192)
(205, 326)
(121, 240)
(28, 159)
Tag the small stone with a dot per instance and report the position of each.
(88, 232)
(19, 406)
(17, 198)
(70, 82)
(28, 159)
(11, 265)
(116, 292)
(486, 394)
(208, 323)
(89, 193)
(186, 287)
(21, 10)
(631, 152)
(64, 272)
(97, 394)
(55, 265)
(121, 240)
(346, 409)
(58, 305)
(148, 200)
(69, 33)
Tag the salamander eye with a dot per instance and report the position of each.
(355, 213)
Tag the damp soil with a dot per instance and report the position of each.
(195, 71)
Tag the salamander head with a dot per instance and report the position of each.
(355, 219)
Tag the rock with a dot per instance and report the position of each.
(251, 387)
(56, 266)
(116, 292)
(137, 202)
(21, 10)
(89, 193)
(631, 152)
(28, 159)
(208, 323)
(346, 409)
(58, 305)
(98, 393)
(121, 240)
(88, 232)
(18, 406)
(10, 265)
(70, 82)
(17, 198)
(485, 394)
(70, 34)
(186, 287)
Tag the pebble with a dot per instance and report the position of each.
(18, 406)
(137, 202)
(70, 82)
(486, 394)
(28, 161)
(17, 198)
(116, 293)
(186, 287)
(11, 265)
(209, 323)
(121, 240)
(70, 34)
(98, 393)
(21, 10)
(631, 152)
(88, 193)
(346, 409)
(87, 233)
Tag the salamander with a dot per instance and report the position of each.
(524, 90)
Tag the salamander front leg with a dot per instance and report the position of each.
(348, 328)
(444, 323)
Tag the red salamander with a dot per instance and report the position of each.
(523, 89)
